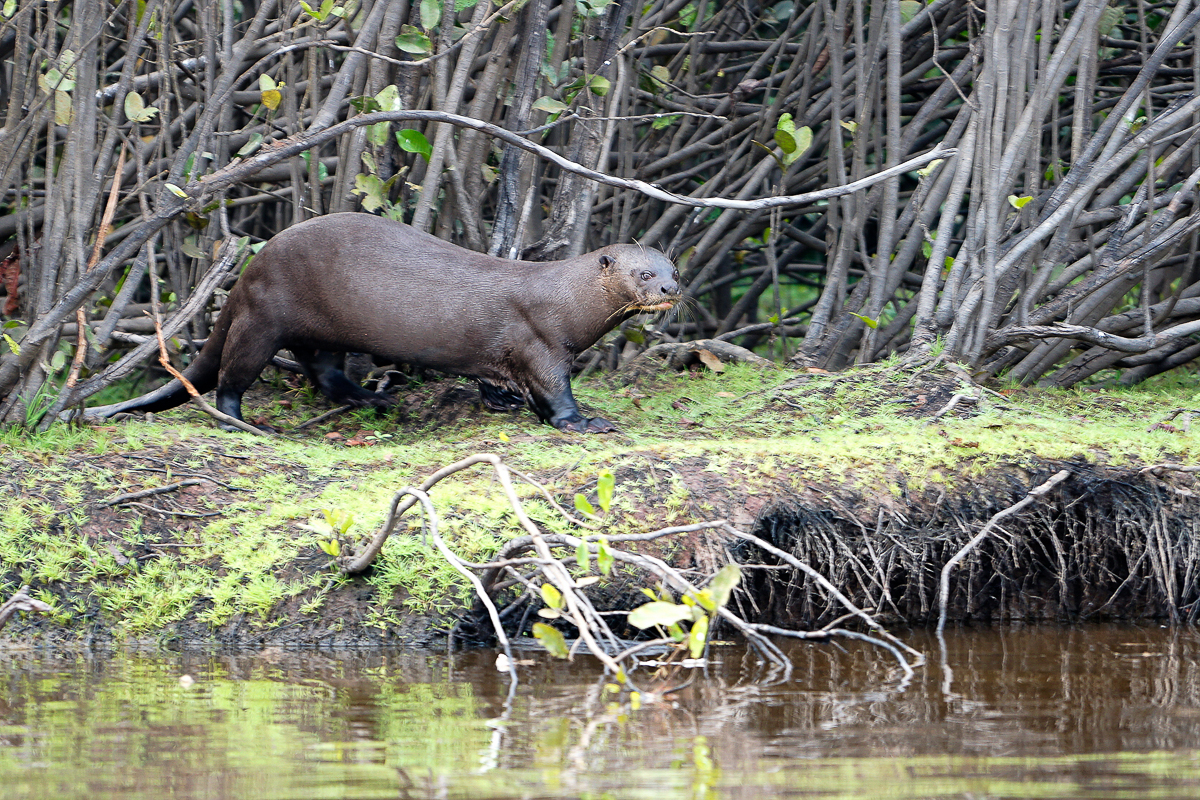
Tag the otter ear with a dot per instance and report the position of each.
(607, 262)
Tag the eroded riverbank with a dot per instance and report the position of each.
(875, 478)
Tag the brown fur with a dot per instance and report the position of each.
(361, 283)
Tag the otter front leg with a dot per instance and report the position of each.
(552, 401)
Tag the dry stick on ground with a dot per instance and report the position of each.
(21, 601)
(1034, 494)
(128, 496)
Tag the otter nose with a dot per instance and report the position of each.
(669, 287)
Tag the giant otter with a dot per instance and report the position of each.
(361, 283)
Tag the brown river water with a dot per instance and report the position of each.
(1038, 712)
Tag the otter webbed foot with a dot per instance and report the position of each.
(584, 425)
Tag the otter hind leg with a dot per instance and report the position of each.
(324, 370)
(245, 354)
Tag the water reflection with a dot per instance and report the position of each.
(1055, 712)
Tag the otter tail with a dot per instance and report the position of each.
(202, 373)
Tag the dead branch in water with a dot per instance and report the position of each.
(21, 601)
(547, 576)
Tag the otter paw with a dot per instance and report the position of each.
(580, 424)
(599, 425)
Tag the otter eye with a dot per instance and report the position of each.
(647, 276)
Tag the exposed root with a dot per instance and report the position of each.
(1105, 544)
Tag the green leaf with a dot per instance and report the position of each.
(389, 98)
(926, 249)
(371, 189)
(58, 360)
(583, 506)
(431, 13)
(13, 347)
(191, 248)
(412, 140)
(266, 83)
(660, 74)
(909, 9)
(175, 190)
(551, 596)
(870, 323)
(378, 133)
(599, 85)
(271, 98)
(411, 40)
(785, 131)
(10, 8)
(331, 548)
(319, 525)
(928, 169)
(549, 105)
(308, 9)
(803, 137)
(792, 141)
(551, 639)
(723, 583)
(604, 556)
(664, 121)
(136, 110)
(698, 637)
(583, 556)
(604, 489)
(703, 599)
(849, 125)
(658, 613)
(1110, 18)
(63, 113)
(1018, 202)
(255, 141)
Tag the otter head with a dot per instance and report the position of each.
(645, 279)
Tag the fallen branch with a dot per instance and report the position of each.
(128, 496)
(1093, 336)
(681, 354)
(1034, 494)
(563, 593)
(21, 601)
